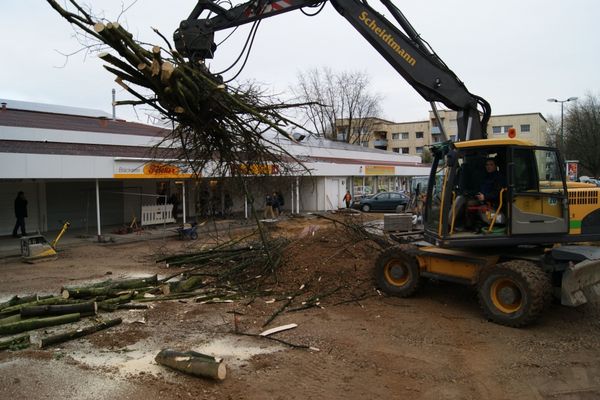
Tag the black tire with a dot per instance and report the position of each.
(366, 208)
(397, 272)
(194, 235)
(514, 293)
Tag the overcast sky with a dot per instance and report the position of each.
(514, 53)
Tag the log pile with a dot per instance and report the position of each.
(213, 123)
(28, 313)
(236, 271)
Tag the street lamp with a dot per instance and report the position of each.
(562, 102)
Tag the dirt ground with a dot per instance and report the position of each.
(363, 345)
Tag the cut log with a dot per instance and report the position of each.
(11, 319)
(75, 334)
(166, 71)
(102, 288)
(18, 342)
(132, 307)
(85, 309)
(16, 300)
(86, 293)
(51, 300)
(31, 324)
(188, 284)
(193, 363)
(111, 304)
(135, 283)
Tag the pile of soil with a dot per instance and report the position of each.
(330, 265)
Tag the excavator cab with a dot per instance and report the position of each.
(494, 192)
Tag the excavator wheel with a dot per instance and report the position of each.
(514, 293)
(397, 272)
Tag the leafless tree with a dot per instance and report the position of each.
(338, 102)
(582, 133)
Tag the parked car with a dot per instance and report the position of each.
(384, 201)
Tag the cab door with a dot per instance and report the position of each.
(538, 192)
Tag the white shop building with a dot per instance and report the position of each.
(81, 166)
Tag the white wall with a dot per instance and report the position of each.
(53, 166)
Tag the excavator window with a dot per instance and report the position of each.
(525, 176)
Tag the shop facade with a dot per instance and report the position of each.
(96, 172)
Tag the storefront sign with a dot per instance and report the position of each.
(258, 169)
(149, 171)
(380, 170)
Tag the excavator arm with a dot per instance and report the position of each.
(404, 50)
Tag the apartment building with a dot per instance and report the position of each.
(413, 137)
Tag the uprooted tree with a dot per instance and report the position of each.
(217, 128)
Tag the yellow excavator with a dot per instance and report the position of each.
(517, 247)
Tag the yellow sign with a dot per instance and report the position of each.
(380, 170)
(150, 171)
(257, 169)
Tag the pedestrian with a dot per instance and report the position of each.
(20, 213)
(347, 198)
(280, 200)
(228, 203)
(268, 206)
(275, 204)
(175, 202)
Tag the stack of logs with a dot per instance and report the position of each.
(23, 314)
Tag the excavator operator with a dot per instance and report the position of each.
(488, 195)
(492, 183)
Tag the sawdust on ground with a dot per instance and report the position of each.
(435, 345)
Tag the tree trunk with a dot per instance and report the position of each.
(132, 307)
(193, 363)
(77, 333)
(136, 283)
(86, 293)
(85, 309)
(51, 300)
(10, 320)
(19, 342)
(188, 284)
(102, 288)
(16, 300)
(30, 324)
(111, 304)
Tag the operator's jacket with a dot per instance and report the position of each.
(492, 184)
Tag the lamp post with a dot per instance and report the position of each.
(562, 104)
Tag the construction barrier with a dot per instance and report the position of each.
(157, 214)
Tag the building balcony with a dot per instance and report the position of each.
(378, 143)
(435, 130)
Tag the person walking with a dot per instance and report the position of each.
(21, 214)
(268, 206)
(347, 198)
(275, 204)
(280, 200)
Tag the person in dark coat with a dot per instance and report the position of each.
(20, 213)
(275, 204)
(175, 201)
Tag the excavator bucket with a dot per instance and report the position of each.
(581, 283)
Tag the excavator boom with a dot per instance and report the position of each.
(403, 49)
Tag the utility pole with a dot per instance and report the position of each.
(562, 107)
